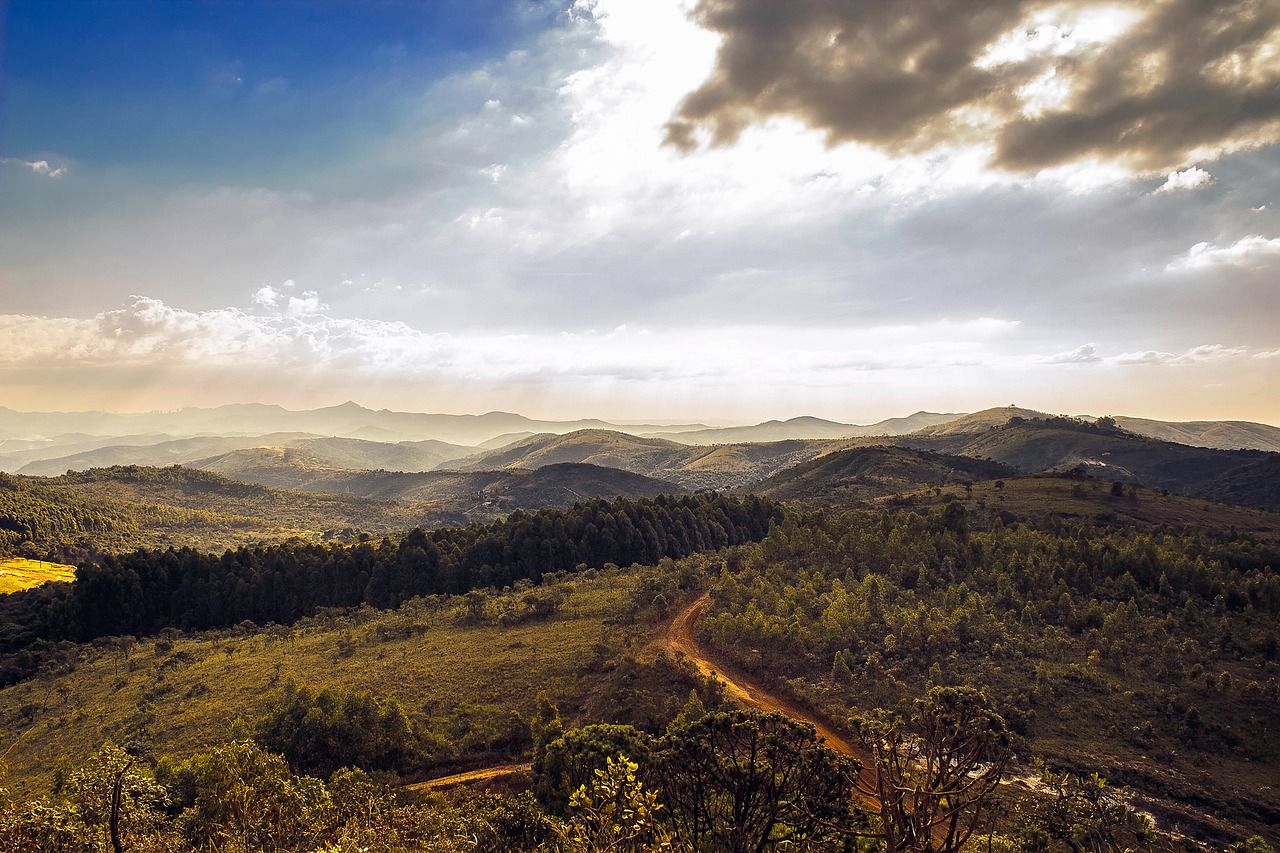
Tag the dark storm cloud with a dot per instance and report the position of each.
(1189, 77)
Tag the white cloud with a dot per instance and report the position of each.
(308, 303)
(1046, 35)
(1187, 179)
(148, 331)
(1251, 251)
(1084, 354)
(39, 167)
(1195, 355)
(749, 371)
(1205, 353)
(266, 296)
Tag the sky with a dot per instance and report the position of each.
(685, 210)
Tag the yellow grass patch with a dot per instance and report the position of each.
(18, 573)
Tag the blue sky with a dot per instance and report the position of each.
(726, 210)
(245, 91)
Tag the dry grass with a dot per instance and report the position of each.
(176, 696)
(19, 573)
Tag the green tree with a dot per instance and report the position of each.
(240, 796)
(571, 760)
(117, 798)
(111, 803)
(746, 782)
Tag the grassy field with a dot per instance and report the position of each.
(462, 680)
(18, 573)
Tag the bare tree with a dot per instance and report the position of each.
(936, 773)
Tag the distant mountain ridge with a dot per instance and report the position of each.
(460, 495)
(346, 420)
(1220, 435)
(721, 466)
(808, 428)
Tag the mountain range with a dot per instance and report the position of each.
(803, 457)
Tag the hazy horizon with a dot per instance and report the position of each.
(717, 211)
(579, 417)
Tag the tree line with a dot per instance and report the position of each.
(147, 591)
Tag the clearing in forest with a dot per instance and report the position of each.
(19, 573)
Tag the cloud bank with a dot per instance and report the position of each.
(1152, 85)
(1252, 251)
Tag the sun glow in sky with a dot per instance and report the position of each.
(723, 210)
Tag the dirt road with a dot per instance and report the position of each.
(681, 642)
(469, 777)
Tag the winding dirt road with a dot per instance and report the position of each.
(680, 642)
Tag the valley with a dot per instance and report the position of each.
(1110, 597)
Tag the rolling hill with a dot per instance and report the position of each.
(691, 466)
(123, 508)
(864, 473)
(329, 452)
(160, 454)
(126, 507)
(553, 484)
(808, 428)
(1033, 445)
(978, 422)
(1221, 435)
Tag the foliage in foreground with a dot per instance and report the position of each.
(713, 782)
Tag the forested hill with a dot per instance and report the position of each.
(148, 591)
(1104, 450)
